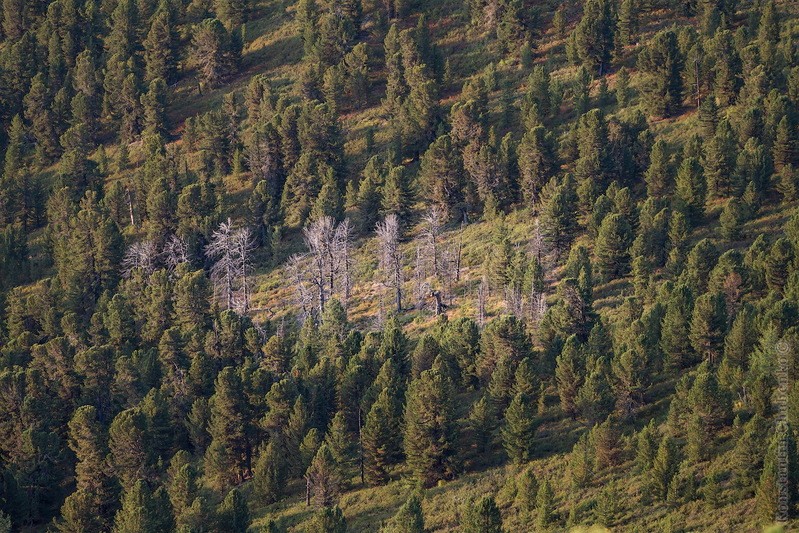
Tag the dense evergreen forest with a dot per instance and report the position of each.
(334, 266)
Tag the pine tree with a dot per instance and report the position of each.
(322, 477)
(143, 511)
(776, 489)
(658, 175)
(440, 174)
(545, 505)
(612, 247)
(719, 162)
(731, 219)
(90, 504)
(482, 517)
(646, 447)
(409, 518)
(593, 36)
(128, 447)
(269, 474)
(160, 47)
(708, 325)
(595, 398)
(662, 60)
(181, 485)
(213, 52)
(328, 520)
(228, 455)
(627, 26)
(519, 429)
(664, 467)
(233, 513)
(232, 13)
(37, 111)
(691, 189)
(154, 108)
(569, 375)
(536, 163)
(557, 214)
(380, 436)
(430, 442)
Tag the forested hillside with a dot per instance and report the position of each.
(399, 266)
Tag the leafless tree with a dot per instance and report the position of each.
(176, 252)
(243, 246)
(140, 256)
(318, 237)
(231, 250)
(433, 224)
(329, 247)
(342, 246)
(390, 256)
(296, 271)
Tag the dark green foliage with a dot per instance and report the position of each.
(430, 433)
(233, 514)
(134, 395)
(269, 474)
(592, 39)
(663, 61)
(328, 520)
(482, 517)
(409, 518)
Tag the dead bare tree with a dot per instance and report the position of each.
(318, 237)
(175, 252)
(390, 256)
(329, 245)
(140, 256)
(231, 250)
(295, 270)
(343, 248)
(433, 224)
(243, 244)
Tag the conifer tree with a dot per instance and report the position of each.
(663, 61)
(664, 467)
(430, 431)
(441, 175)
(773, 489)
(536, 163)
(482, 517)
(89, 506)
(593, 36)
(612, 247)
(213, 52)
(324, 483)
(558, 207)
(269, 474)
(569, 375)
(691, 189)
(658, 175)
(719, 162)
(409, 518)
(160, 53)
(228, 455)
(233, 513)
(708, 325)
(519, 428)
(128, 447)
(380, 436)
(143, 511)
(328, 520)
(545, 505)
